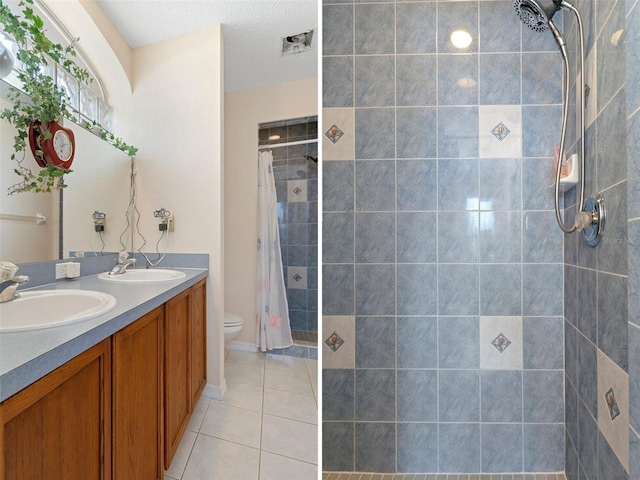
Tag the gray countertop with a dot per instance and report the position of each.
(25, 357)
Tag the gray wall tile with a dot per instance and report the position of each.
(416, 27)
(417, 342)
(501, 398)
(417, 395)
(375, 447)
(501, 448)
(375, 395)
(459, 395)
(458, 342)
(338, 394)
(375, 342)
(417, 447)
(374, 29)
(337, 446)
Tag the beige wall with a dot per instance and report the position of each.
(244, 110)
(168, 102)
(175, 118)
(24, 241)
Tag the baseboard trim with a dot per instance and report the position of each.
(244, 346)
(215, 391)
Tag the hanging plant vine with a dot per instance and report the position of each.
(47, 101)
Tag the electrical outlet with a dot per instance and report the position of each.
(171, 224)
(99, 221)
(100, 225)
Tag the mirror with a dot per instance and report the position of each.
(100, 181)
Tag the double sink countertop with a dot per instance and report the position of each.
(27, 356)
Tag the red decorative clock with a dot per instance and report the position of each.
(51, 144)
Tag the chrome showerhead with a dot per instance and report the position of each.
(534, 15)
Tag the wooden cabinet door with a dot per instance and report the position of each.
(198, 340)
(60, 426)
(137, 399)
(177, 380)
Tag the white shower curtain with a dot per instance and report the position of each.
(272, 317)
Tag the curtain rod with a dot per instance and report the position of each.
(288, 144)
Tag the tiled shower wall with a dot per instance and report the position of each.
(601, 284)
(442, 262)
(297, 193)
(633, 168)
(596, 279)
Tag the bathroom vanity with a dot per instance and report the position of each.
(117, 409)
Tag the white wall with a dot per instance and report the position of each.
(244, 110)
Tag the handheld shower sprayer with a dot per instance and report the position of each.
(534, 14)
(538, 17)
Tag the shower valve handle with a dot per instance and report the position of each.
(586, 219)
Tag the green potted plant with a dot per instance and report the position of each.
(46, 103)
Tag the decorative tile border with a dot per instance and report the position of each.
(501, 343)
(500, 131)
(296, 191)
(338, 139)
(338, 341)
(334, 342)
(297, 277)
(613, 407)
(334, 133)
(610, 398)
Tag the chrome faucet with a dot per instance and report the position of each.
(9, 282)
(121, 266)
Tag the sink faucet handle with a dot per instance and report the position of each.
(7, 270)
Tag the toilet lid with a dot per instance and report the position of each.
(231, 320)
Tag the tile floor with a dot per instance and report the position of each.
(265, 428)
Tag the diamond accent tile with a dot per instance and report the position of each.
(500, 131)
(297, 277)
(297, 190)
(334, 133)
(334, 342)
(612, 404)
(501, 343)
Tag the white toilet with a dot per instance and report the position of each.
(232, 326)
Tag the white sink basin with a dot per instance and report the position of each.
(144, 275)
(52, 308)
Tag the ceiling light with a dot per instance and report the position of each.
(274, 137)
(461, 39)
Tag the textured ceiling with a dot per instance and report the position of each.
(252, 29)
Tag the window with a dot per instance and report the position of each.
(88, 101)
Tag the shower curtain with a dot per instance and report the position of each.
(272, 317)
